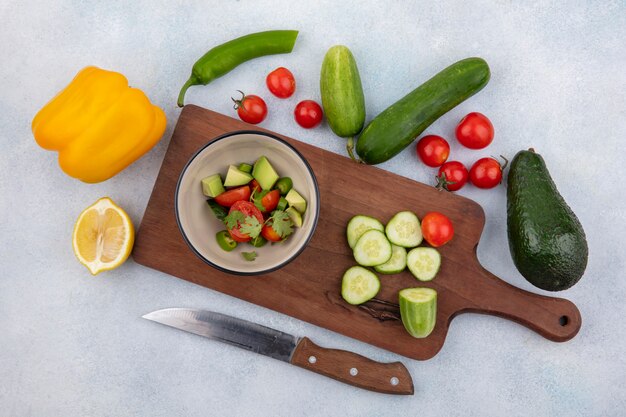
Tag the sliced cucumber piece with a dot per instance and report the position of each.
(236, 177)
(360, 224)
(212, 186)
(264, 173)
(372, 249)
(423, 263)
(295, 217)
(418, 310)
(296, 201)
(359, 285)
(404, 230)
(396, 263)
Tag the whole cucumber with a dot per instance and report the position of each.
(397, 126)
(342, 93)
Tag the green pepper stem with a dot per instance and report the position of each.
(181, 96)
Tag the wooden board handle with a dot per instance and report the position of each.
(554, 318)
(353, 369)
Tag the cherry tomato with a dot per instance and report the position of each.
(270, 234)
(230, 197)
(251, 109)
(475, 131)
(270, 200)
(308, 114)
(437, 229)
(248, 209)
(433, 150)
(452, 176)
(256, 187)
(487, 172)
(281, 82)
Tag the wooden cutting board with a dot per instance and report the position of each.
(309, 287)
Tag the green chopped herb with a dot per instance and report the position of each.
(249, 256)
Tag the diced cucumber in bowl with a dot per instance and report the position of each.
(396, 263)
(359, 285)
(404, 230)
(424, 263)
(372, 249)
(360, 224)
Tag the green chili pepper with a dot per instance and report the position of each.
(283, 185)
(282, 204)
(225, 241)
(245, 167)
(258, 241)
(225, 57)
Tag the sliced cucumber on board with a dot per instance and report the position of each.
(372, 249)
(418, 310)
(359, 285)
(404, 230)
(360, 224)
(424, 263)
(396, 263)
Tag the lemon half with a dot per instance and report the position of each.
(103, 236)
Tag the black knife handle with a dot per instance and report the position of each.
(353, 369)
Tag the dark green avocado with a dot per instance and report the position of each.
(546, 240)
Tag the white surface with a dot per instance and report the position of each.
(73, 345)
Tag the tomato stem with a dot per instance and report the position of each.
(442, 182)
(506, 162)
(238, 103)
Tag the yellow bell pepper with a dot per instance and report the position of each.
(98, 124)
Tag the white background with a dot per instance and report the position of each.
(74, 345)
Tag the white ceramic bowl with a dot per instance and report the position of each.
(197, 223)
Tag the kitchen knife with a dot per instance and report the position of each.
(344, 366)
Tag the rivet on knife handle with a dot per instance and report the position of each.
(353, 369)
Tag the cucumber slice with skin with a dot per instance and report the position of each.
(372, 249)
(360, 224)
(423, 263)
(404, 230)
(418, 310)
(396, 263)
(359, 285)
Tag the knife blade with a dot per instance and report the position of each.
(344, 366)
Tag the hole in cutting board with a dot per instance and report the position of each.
(563, 320)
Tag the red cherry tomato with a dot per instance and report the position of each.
(251, 109)
(281, 82)
(437, 229)
(230, 197)
(475, 131)
(452, 176)
(256, 187)
(433, 150)
(248, 209)
(270, 234)
(487, 172)
(270, 200)
(308, 114)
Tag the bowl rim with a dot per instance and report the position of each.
(315, 187)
